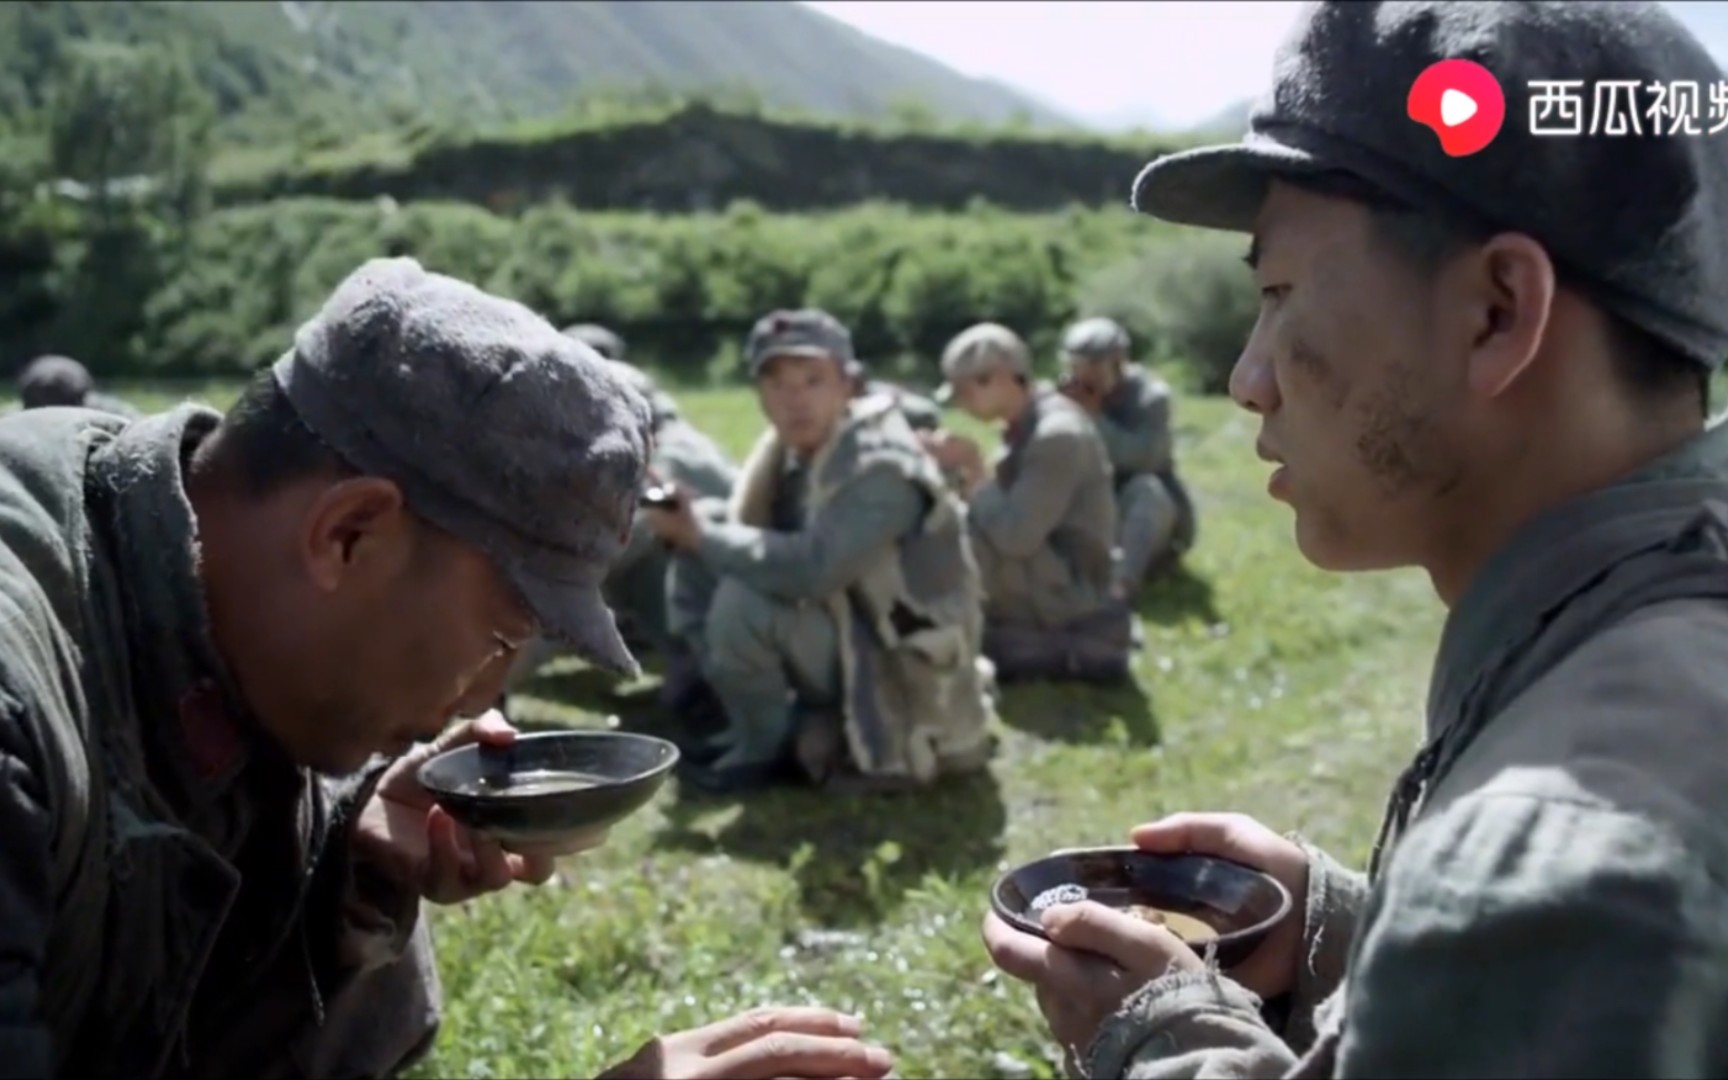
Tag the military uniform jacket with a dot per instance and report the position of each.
(1045, 523)
(1556, 903)
(176, 899)
(883, 548)
(1134, 422)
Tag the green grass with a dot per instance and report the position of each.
(1265, 686)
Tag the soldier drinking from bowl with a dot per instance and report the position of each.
(217, 634)
(1492, 365)
(1043, 522)
(1130, 406)
(834, 608)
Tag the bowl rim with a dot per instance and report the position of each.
(667, 746)
(1018, 921)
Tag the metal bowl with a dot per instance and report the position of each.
(1239, 904)
(553, 790)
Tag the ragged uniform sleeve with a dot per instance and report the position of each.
(1523, 936)
(830, 553)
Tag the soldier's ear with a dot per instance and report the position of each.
(359, 525)
(1509, 283)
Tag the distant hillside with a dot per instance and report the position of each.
(697, 158)
(1229, 122)
(354, 65)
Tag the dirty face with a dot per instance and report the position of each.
(804, 398)
(403, 628)
(1356, 367)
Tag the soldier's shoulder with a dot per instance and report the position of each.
(44, 455)
(1616, 726)
(44, 530)
(1057, 417)
(875, 433)
(1150, 383)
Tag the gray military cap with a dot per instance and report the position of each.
(54, 380)
(598, 338)
(978, 348)
(1096, 338)
(498, 428)
(808, 332)
(1637, 220)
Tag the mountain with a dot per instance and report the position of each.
(1129, 118)
(356, 65)
(1229, 122)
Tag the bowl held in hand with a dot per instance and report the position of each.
(1208, 902)
(550, 792)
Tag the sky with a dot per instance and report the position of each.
(1167, 64)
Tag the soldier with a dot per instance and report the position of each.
(636, 586)
(61, 380)
(1482, 350)
(920, 412)
(834, 609)
(1131, 408)
(1043, 523)
(220, 636)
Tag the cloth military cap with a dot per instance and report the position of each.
(1095, 339)
(498, 429)
(54, 380)
(598, 338)
(808, 332)
(1637, 220)
(978, 348)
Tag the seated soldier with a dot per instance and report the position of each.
(61, 380)
(1130, 407)
(635, 588)
(919, 411)
(1042, 524)
(834, 608)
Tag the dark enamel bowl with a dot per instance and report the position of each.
(1240, 904)
(552, 790)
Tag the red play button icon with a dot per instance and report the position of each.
(1461, 103)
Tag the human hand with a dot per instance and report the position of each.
(1081, 394)
(805, 1043)
(675, 525)
(952, 451)
(1270, 971)
(412, 840)
(1096, 957)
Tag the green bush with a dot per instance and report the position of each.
(227, 297)
(696, 157)
(1191, 300)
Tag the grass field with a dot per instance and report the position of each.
(1265, 686)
